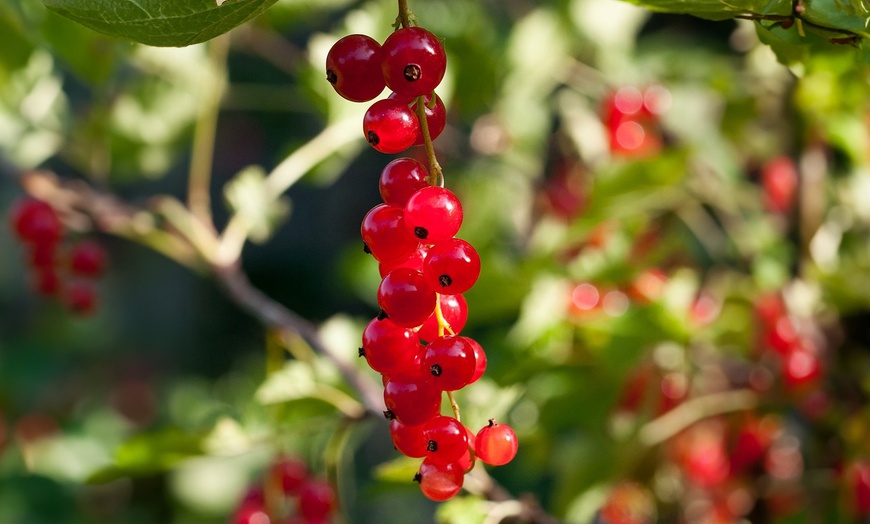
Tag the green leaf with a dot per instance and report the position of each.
(293, 382)
(150, 453)
(719, 9)
(253, 202)
(843, 15)
(160, 22)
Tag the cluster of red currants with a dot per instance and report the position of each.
(68, 275)
(414, 341)
(797, 352)
(632, 120)
(288, 491)
(411, 63)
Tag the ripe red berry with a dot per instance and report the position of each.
(43, 255)
(413, 261)
(466, 462)
(290, 474)
(779, 180)
(454, 310)
(384, 233)
(446, 440)
(35, 222)
(87, 258)
(409, 440)
(801, 368)
(80, 297)
(406, 298)
(390, 126)
(436, 114)
(452, 266)
(46, 281)
(479, 360)
(433, 214)
(413, 61)
(496, 444)
(410, 398)
(353, 67)
(861, 487)
(387, 347)
(400, 179)
(439, 482)
(316, 500)
(450, 361)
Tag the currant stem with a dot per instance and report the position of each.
(436, 177)
(406, 16)
(454, 406)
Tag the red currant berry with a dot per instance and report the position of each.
(390, 126)
(433, 214)
(408, 440)
(87, 258)
(446, 440)
(436, 115)
(861, 487)
(43, 255)
(405, 297)
(439, 482)
(414, 261)
(35, 222)
(479, 361)
(385, 235)
(290, 474)
(400, 179)
(46, 281)
(413, 61)
(454, 309)
(801, 368)
(411, 399)
(353, 67)
(450, 361)
(452, 267)
(316, 500)
(496, 444)
(80, 297)
(466, 462)
(779, 180)
(389, 348)
(251, 514)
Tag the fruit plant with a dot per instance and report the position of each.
(562, 261)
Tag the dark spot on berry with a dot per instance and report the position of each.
(382, 315)
(331, 77)
(435, 369)
(372, 137)
(432, 446)
(389, 415)
(421, 232)
(492, 422)
(362, 352)
(366, 249)
(445, 280)
(412, 72)
(418, 478)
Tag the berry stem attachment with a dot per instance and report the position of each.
(454, 406)
(443, 325)
(406, 17)
(436, 177)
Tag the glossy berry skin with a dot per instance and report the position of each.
(780, 180)
(35, 222)
(452, 267)
(413, 261)
(390, 126)
(433, 214)
(801, 368)
(316, 500)
(387, 347)
(406, 298)
(290, 474)
(454, 309)
(439, 482)
(436, 115)
(479, 360)
(450, 362)
(446, 439)
(384, 233)
(411, 399)
(861, 488)
(353, 67)
(496, 444)
(400, 179)
(413, 61)
(467, 460)
(409, 440)
(87, 258)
